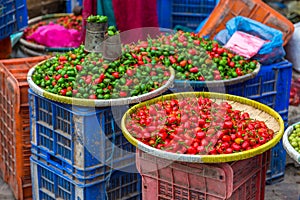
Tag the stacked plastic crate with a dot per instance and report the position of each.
(274, 80)
(187, 13)
(14, 125)
(162, 179)
(13, 17)
(271, 86)
(80, 153)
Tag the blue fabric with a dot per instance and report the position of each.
(105, 7)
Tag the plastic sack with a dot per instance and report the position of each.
(54, 35)
(293, 48)
(270, 52)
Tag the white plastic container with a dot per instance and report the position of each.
(288, 147)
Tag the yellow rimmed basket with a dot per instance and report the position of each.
(98, 102)
(287, 145)
(256, 110)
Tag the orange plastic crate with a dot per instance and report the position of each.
(14, 125)
(253, 9)
(163, 179)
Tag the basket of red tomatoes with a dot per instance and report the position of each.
(202, 127)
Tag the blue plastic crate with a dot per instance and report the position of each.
(188, 13)
(80, 140)
(276, 170)
(70, 4)
(271, 87)
(13, 17)
(50, 184)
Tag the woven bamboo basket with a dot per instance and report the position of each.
(255, 109)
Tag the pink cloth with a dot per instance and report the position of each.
(244, 44)
(54, 35)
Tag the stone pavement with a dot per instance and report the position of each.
(289, 188)
(5, 192)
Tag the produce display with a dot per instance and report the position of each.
(191, 125)
(69, 22)
(194, 58)
(295, 92)
(97, 18)
(112, 30)
(142, 67)
(294, 138)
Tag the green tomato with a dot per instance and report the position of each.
(294, 144)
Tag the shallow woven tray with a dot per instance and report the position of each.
(38, 49)
(255, 109)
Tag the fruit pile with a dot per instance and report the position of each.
(295, 92)
(197, 126)
(111, 31)
(69, 22)
(97, 19)
(82, 75)
(193, 57)
(294, 138)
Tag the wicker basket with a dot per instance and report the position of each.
(260, 111)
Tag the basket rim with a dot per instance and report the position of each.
(226, 82)
(287, 145)
(98, 102)
(207, 158)
(40, 47)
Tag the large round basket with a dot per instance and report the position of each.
(287, 145)
(33, 49)
(99, 102)
(255, 109)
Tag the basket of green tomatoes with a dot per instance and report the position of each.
(291, 141)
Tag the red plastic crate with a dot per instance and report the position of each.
(240, 180)
(14, 125)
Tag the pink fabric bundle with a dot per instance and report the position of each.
(244, 44)
(54, 35)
